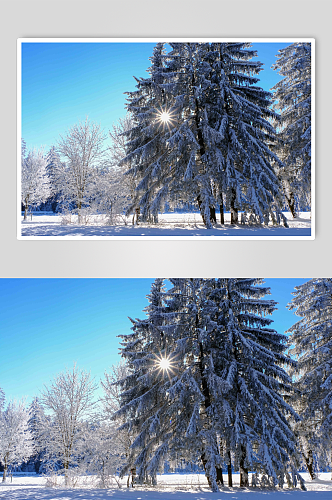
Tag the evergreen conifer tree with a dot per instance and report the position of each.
(293, 100)
(202, 133)
(36, 417)
(207, 383)
(146, 142)
(52, 167)
(311, 343)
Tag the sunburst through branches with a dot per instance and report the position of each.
(165, 118)
(164, 364)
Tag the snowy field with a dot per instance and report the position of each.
(169, 225)
(170, 487)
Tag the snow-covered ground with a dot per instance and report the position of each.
(169, 225)
(170, 487)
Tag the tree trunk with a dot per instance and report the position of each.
(136, 214)
(291, 203)
(213, 217)
(204, 461)
(309, 463)
(79, 207)
(4, 477)
(234, 211)
(221, 206)
(229, 470)
(244, 479)
(26, 207)
(207, 403)
(199, 206)
(132, 475)
(202, 153)
(199, 201)
(66, 467)
(220, 479)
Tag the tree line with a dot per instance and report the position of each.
(199, 130)
(65, 431)
(80, 175)
(204, 379)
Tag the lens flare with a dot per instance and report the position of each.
(164, 364)
(164, 118)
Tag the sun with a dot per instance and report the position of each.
(165, 117)
(164, 364)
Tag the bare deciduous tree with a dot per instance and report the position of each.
(83, 152)
(15, 437)
(111, 389)
(35, 185)
(69, 401)
(118, 151)
(111, 403)
(118, 139)
(104, 453)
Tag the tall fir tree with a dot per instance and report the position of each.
(207, 383)
(203, 133)
(146, 145)
(293, 100)
(36, 416)
(250, 362)
(311, 344)
(52, 169)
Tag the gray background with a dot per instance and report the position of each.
(165, 18)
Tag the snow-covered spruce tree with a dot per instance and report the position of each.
(52, 168)
(249, 364)
(16, 444)
(293, 100)
(311, 344)
(206, 383)
(202, 133)
(2, 399)
(35, 185)
(36, 417)
(146, 147)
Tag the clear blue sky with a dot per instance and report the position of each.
(63, 83)
(48, 324)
